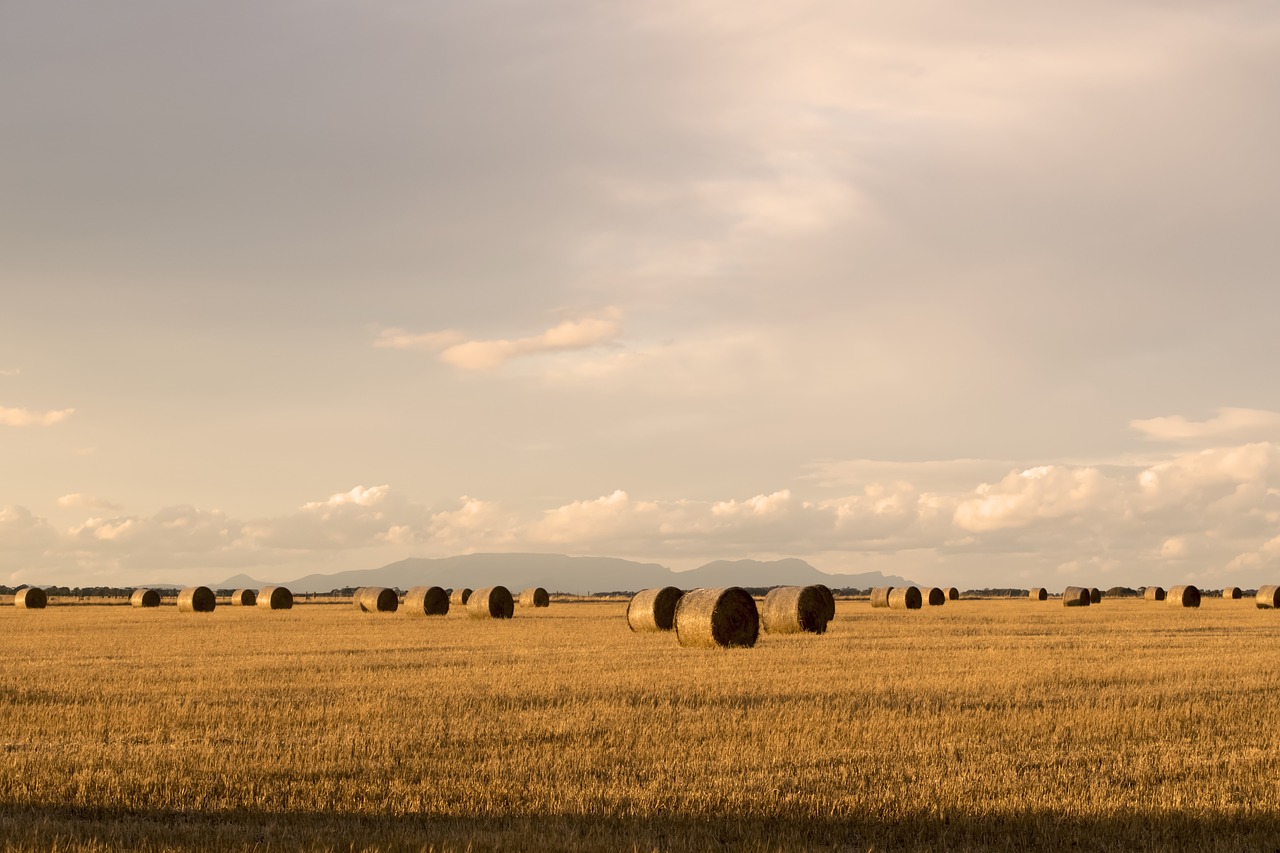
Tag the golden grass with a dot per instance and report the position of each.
(1120, 726)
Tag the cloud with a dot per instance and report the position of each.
(10, 371)
(27, 417)
(79, 501)
(1230, 424)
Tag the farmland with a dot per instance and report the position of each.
(977, 725)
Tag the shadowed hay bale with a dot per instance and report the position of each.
(1039, 594)
(275, 598)
(1153, 593)
(379, 599)
(717, 618)
(535, 596)
(426, 601)
(1232, 592)
(829, 598)
(1095, 595)
(357, 599)
(905, 598)
(953, 594)
(145, 598)
(794, 610)
(460, 597)
(880, 596)
(1268, 598)
(653, 609)
(197, 599)
(1184, 596)
(244, 598)
(492, 602)
(1075, 596)
(31, 598)
(934, 597)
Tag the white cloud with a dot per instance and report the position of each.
(1230, 424)
(28, 417)
(453, 348)
(79, 501)
(10, 371)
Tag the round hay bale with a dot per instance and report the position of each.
(357, 599)
(905, 598)
(1095, 595)
(1268, 598)
(1184, 596)
(953, 594)
(426, 601)
(1153, 593)
(145, 598)
(460, 597)
(794, 610)
(197, 599)
(275, 598)
(1075, 596)
(244, 598)
(880, 596)
(934, 597)
(1232, 592)
(653, 609)
(717, 618)
(31, 598)
(379, 599)
(492, 602)
(535, 596)
(829, 597)
(1039, 594)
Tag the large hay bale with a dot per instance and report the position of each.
(934, 596)
(535, 596)
(275, 598)
(492, 602)
(145, 598)
(460, 597)
(197, 599)
(1039, 594)
(426, 601)
(905, 598)
(1075, 596)
(1184, 596)
(31, 598)
(379, 599)
(244, 598)
(653, 609)
(1232, 592)
(717, 618)
(880, 596)
(1153, 593)
(1095, 595)
(953, 594)
(794, 610)
(1268, 598)
(357, 599)
(829, 598)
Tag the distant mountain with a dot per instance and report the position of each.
(560, 573)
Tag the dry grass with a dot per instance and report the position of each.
(1123, 726)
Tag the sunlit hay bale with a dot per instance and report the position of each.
(1039, 594)
(717, 618)
(145, 598)
(426, 601)
(953, 594)
(244, 598)
(905, 598)
(1268, 598)
(829, 598)
(794, 610)
(197, 599)
(653, 609)
(357, 599)
(1232, 592)
(1075, 596)
(535, 596)
(31, 598)
(880, 596)
(1095, 595)
(492, 602)
(934, 597)
(460, 597)
(1153, 593)
(1184, 596)
(275, 598)
(379, 599)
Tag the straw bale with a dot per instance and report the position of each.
(145, 598)
(1095, 595)
(953, 594)
(1184, 596)
(880, 596)
(1268, 598)
(905, 598)
(31, 598)
(244, 598)
(794, 610)
(460, 597)
(379, 599)
(357, 599)
(492, 602)
(426, 601)
(197, 599)
(934, 596)
(653, 609)
(717, 618)
(1039, 594)
(1232, 592)
(1153, 593)
(1076, 596)
(535, 596)
(275, 598)
(829, 597)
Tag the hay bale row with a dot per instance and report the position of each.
(492, 602)
(795, 610)
(1184, 596)
(426, 601)
(535, 596)
(880, 596)
(197, 599)
(905, 598)
(1076, 596)
(1268, 598)
(1153, 593)
(717, 618)
(1232, 592)
(244, 598)
(145, 598)
(1039, 594)
(653, 609)
(31, 598)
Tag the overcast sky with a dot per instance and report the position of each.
(977, 294)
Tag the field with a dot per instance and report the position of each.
(1001, 725)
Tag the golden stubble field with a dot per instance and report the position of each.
(1000, 725)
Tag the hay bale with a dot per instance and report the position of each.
(1095, 595)
(717, 618)
(275, 598)
(1232, 592)
(357, 599)
(244, 598)
(953, 594)
(145, 598)
(1184, 596)
(1153, 593)
(1039, 594)
(197, 599)
(492, 602)
(653, 609)
(460, 597)
(535, 596)
(379, 599)
(1075, 596)
(426, 601)
(31, 598)
(935, 597)
(794, 610)
(1268, 598)
(880, 596)
(829, 597)
(905, 598)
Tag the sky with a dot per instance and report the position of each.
(979, 294)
